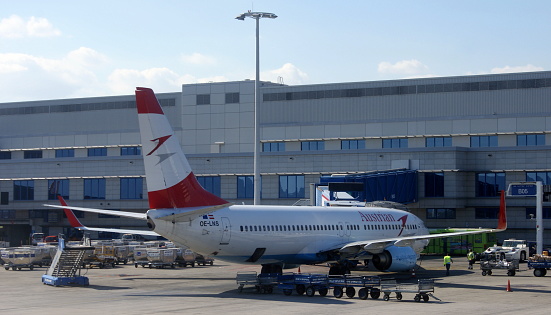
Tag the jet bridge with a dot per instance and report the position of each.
(393, 185)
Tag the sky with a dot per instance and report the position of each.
(60, 49)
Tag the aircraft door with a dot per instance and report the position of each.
(226, 232)
(341, 227)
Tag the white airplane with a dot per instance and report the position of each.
(275, 237)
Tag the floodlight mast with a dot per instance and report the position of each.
(256, 162)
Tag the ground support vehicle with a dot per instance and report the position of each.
(304, 283)
(20, 257)
(140, 256)
(102, 256)
(422, 289)
(203, 260)
(490, 263)
(540, 264)
(121, 253)
(369, 285)
(161, 257)
(185, 257)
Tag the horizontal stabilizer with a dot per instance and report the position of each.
(189, 214)
(134, 215)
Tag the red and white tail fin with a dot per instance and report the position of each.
(70, 214)
(170, 180)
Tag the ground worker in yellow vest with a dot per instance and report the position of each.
(470, 258)
(448, 263)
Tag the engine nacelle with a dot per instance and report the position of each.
(395, 258)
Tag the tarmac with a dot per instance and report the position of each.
(126, 289)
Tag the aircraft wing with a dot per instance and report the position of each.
(378, 245)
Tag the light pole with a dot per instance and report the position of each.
(256, 162)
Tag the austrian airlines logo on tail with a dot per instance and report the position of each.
(160, 142)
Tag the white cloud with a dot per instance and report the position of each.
(23, 75)
(288, 73)
(405, 67)
(121, 81)
(198, 59)
(16, 27)
(509, 69)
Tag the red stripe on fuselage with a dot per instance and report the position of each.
(187, 193)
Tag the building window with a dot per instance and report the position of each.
(545, 213)
(543, 177)
(445, 213)
(352, 144)
(203, 99)
(211, 184)
(58, 187)
(132, 188)
(94, 188)
(395, 143)
(232, 98)
(483, 141)
(273, 146)
(434, 184)
(291, 186)
(23, 190)
(33, 154)
(5, 155)
(438, 142)
(312, 146)
(245, 187)
(131, 151)
(525, 140)
(98, 152)
(486, 213)
(61, 153)
(7, 214)
(489, 184)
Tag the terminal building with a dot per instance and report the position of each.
(461, 140)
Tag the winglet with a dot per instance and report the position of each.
(502, 219)
(70, 214)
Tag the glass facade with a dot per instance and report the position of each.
(94, 188)
(211, 184)
(245, 187)
(131, 188)
(23, 190)
(291, 186)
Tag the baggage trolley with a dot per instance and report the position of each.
(491, 262)
(369, 285)
(303, 283)
(246, 278)
(422, 289)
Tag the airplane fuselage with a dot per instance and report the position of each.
(284, 234)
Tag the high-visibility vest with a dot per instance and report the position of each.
(447, 260)
(470, 256)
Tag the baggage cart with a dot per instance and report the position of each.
(102, 256)
(20, 257)
(346, 284)
(491, 262)
(161, 257)
(247, 278)
(540, 264)
(303, 283)
(140, 256)
(121, 253)
(422, 289)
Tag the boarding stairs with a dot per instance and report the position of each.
(66, 264)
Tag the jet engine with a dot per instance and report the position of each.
(395, 258)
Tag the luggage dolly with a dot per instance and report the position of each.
(423, 288)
